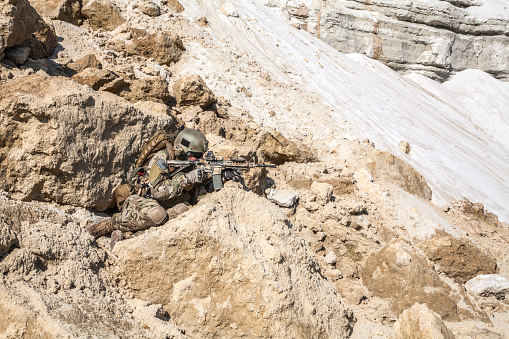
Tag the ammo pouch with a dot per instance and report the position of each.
(121, 193)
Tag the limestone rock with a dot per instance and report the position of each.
(19, 21)
(94, 78)
(7, 237)
(420, 322)
(175, 6)
(225, 270)
(323, 192)
(384, 166)
(192, 91)
(399, 272)
(65, 10)
(57, 265)
(487, 285)
(65, 143)
(18, 55)
(432, 38)
(149, 8)
(284, 198)
(164, 46)
(147, 89)
(88, 61)
(459, 259)
(274, 147)
(102, 14)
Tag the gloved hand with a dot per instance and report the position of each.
(231, 174)
(195, 176)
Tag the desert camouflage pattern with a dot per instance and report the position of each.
(164, 188)
(139, 213)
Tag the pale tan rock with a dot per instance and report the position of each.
(384, 166)
(102, 14)
(70, 145)
(459, 259)
(419, 322)
(399, 272)
(206, 269)
(192, 91)
(87, 61)
(175, 6)
(165, 47)
(19, 21)
(94, 78)
(65, 10)
(147, 89)
(149, 8)
(404, 146)
(323, 192)
(274, 147)
(56, 262)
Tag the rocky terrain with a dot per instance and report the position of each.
(434, 38)
(340, 240)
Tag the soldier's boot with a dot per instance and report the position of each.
(116, 236)
(178, 209)
(100, 228)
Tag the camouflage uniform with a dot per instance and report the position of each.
(141, 212)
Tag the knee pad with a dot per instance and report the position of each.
(158, 215)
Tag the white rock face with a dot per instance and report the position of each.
(487, 285)
(436, 38)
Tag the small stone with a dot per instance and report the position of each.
(487, 285)
(404, 146)
(323, 192)
(331, 258)
(283, 198)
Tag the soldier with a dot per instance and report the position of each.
(152, 184)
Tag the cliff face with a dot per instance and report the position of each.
(434, 38)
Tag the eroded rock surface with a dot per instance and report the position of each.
(61, 142)
(19, 21)
(420, 322)
(193, 264)
(435, 38)
(399, 272)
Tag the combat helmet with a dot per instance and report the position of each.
(190, 141)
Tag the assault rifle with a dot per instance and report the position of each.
(215, 166)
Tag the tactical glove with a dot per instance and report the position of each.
(195, 176)
(231, 174)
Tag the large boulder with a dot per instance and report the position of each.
(55, 265)
(65, 10)
(459, 259)
(192, 91)
(398, 271)
(63, 142)
(420, 322)
(165, 47)
(385, 166)
(102, 14)
(19, 21)
(233, 266)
